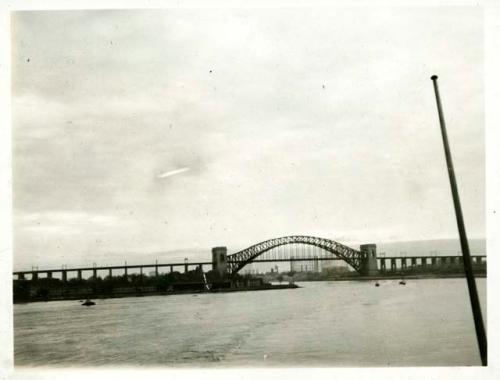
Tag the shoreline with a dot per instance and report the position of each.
(406, 277)
(242, 289)
(159, 293)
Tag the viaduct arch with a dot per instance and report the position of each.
(363, 261)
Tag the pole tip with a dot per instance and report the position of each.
(434, 77)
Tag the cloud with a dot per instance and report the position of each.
(60, 221)
(112, 104)
(172, 172)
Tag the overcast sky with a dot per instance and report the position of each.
(137, 132)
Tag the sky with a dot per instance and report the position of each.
(164, 133)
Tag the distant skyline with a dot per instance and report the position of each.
(137, 132)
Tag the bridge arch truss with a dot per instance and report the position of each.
(238, 260)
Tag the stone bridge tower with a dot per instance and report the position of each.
(219, 260)
(369, 266)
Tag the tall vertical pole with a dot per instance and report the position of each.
(471, 283)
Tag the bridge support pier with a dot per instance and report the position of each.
(94, 273)
(369, 265)
(393, 265)
(382, 265)
(413, 262)
(403, 263)
(219, 260)
(433, 261)
(64, 276)
(79, 275)
(49, 274)
(110, 274)
(20, 276)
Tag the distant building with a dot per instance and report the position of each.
(334, 265)
(305, 266)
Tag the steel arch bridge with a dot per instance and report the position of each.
(238, 260)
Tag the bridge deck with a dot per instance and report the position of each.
(190, 264)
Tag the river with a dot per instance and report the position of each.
(346, 323)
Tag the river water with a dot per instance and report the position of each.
(425, 323)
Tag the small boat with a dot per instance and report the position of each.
(88, 303)
(402, 282)
(377, 284)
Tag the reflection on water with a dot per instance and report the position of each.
(425, 323)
